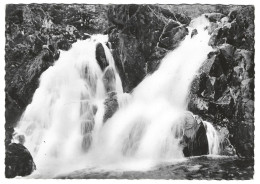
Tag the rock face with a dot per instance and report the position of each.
(18, 161)
(194, 140)
(34, 35)
(140, 36)
(223, 92)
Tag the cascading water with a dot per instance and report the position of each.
(64, 126)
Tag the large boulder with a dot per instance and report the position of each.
(18, 161)
(101, 56)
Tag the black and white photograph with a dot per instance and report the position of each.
(157, 91)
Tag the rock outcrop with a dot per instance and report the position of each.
(140, 36)
(223, 92)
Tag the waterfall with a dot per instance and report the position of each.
(64, 128)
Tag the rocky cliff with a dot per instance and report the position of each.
(223, 92)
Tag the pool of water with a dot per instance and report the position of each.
(203, 167)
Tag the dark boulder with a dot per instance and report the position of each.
(18, 161)
(194, 32)
(101, 56)
(111, 105)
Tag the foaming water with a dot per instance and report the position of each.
(64, 133)
(213, 139)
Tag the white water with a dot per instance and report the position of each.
(142, 133)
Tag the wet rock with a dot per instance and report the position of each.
(18, 161)
(211, 28)
(85, 36)
(190, 125)
(214, 17)
(109, 79)
(194, 32)
(198, 145)
(111, 105)
(170, 39)
(194, 140)
(226, 148)
(141, 39)
(129, 60)
(101, 56)
(64, 45)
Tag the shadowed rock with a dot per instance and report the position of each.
(18, 161)
(230, 70)
(101, 56)
(194, 141)
(214, 17)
